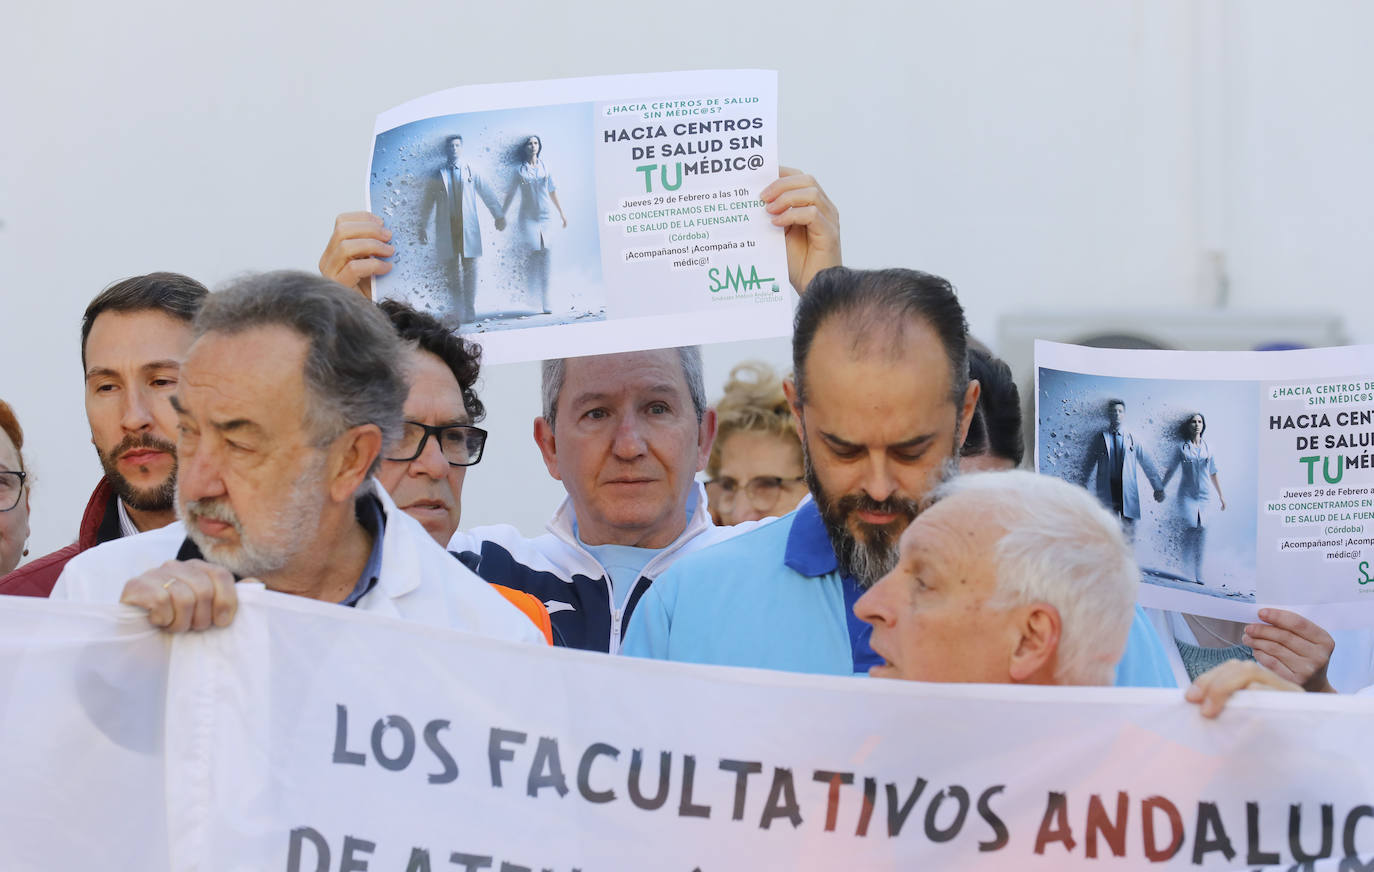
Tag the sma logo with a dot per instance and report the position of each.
(735, 281)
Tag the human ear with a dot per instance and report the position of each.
(1037, 650)
(971, 395)
(548, 446)
(352, 456)
(706, 435)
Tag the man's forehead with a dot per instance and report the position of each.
(152, 333)
(959, 526)
(633, 371)
(844, 356)
(878, 336)
(260, 367)
(275, 339)
(434, 390)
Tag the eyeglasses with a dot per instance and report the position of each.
(11, 487)
(460, 444)
(763, 491)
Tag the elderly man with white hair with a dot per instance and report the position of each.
(1009, 577)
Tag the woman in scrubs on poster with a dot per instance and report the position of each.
(538, 192)
(1199, 478)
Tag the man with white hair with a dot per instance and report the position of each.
(289, 396)
(1008, 578)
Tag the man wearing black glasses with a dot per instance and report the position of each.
(424, 472)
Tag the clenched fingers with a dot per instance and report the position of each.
(1213, 688)
(184, 595)
(353, 251)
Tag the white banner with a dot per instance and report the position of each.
(307, 738)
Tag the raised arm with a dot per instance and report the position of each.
(1295, 648)
(812, 224)
(355, 250)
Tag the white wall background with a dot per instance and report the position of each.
(1058, 153)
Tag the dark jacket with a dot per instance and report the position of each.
(99, 524)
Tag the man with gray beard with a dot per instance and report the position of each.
(883, 401)
(289, 396)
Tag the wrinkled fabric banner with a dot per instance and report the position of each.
(308, 738)
(83, 695)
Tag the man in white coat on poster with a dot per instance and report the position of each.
(451, 196)
(1110, 468)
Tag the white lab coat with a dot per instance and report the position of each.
(419, 580)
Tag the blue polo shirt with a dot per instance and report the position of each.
(771, 598)
(774, 598)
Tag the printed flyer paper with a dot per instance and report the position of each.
(1246, 479)
(586, 216)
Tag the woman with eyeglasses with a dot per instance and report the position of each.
(14, 491)
(755, 468)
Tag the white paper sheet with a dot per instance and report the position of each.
(1290, 435)
(637, 224)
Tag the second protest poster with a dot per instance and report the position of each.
(1244, 479)
(585, 216)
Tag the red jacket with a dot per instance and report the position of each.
(99, 524)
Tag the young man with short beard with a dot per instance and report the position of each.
(134, 335)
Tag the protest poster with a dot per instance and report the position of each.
(306, 737)
(586, 216)
(1245, 478)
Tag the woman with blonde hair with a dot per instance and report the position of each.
(755, 468)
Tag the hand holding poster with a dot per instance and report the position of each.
(1245, 478)
(309, 738)
(587, 216)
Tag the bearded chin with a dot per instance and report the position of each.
(872, 553)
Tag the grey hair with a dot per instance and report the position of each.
(1061, 548)
(553, 372)
(353, 366)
